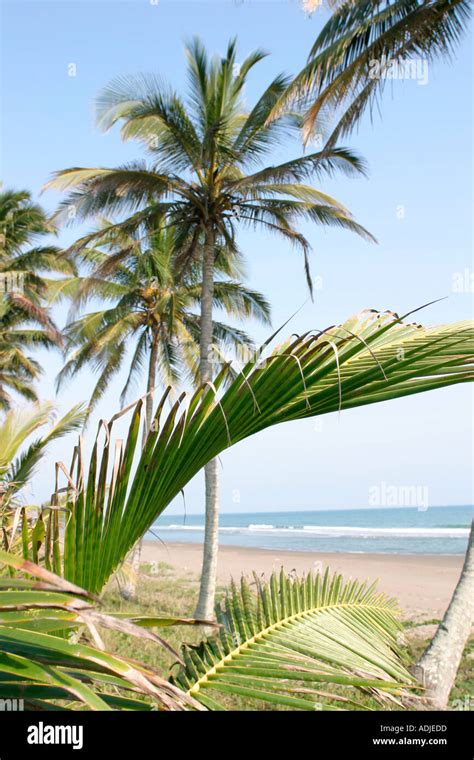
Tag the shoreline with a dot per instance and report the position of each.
(422, 583)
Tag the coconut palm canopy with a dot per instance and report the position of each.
(25, 319)
(154, 310)
(206, 171)
(18, 370)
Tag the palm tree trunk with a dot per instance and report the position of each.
(150, 387)
(207, 590)
(439, 664)
(132, 563)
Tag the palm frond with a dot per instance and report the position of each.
(98, 191)
(338, 73)
(23, 468)
(18, 425)
(323, 162)
(372, 357)
(294, 638)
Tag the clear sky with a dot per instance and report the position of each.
(417, 202)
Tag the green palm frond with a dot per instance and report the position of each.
(22, 469)
(339, 76)
(21, 386)
(294, 638)
(21, 220)
(372, 357)
(16, 465)
(42, 664)
(323, 162)
(17, 425)
(239, 301)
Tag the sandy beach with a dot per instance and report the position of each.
(423, 584)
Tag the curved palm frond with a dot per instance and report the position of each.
(22, 469)
(372, 357)
(295, 637)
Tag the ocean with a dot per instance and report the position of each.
(437, 530)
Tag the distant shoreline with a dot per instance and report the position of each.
(391, 530)
(422, 583)
(371, 556)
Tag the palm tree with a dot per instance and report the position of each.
(154, 310)
(25, 319)
(340, 75)
(207, 174)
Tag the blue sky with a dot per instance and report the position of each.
(417, 201)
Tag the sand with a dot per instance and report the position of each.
(423, 584)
